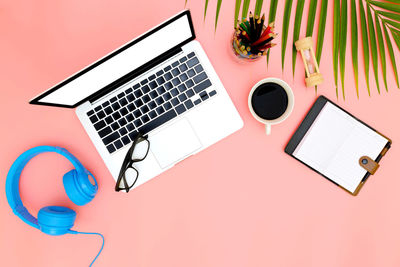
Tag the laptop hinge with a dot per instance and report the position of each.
(131, 75)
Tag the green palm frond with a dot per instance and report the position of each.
(237, 10)
(312, 9)
(217, 14)
(285, 28)
(336, 40)
(354, 42)
(271, 17)
(296, 31)
(321, 30)
(205, 9)
(343, 40)
(257, 9)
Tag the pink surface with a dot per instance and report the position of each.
(242, 202)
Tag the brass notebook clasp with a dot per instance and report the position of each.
(368, 164)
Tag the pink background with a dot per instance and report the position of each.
(242, 202)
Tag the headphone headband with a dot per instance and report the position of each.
(14, 174)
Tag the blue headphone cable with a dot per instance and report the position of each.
(89, 233)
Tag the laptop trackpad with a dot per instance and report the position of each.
(174, 143)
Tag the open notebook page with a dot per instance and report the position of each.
(334, 144)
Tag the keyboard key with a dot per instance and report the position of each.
(183, 77)
(201, 86)
(188, 104)
(200, 77)
(167, 68)
(160, 80)
(152, 114)
(123, 131)
(153, 94)
(113, 99)
(123, 111)
(105, 104)
(145, 89)
(182, 88)
(191, 72)
(130, 107)
(176, 63)
(99, 125)
(158, 121)
(144, 82)
(192, 62)
(197, 101)
(115, 126)
(93, 118)
(111, 148)
(168, 76)
(129, 117)
(182, 59)
(116, 115)
(133, 135)
(129, 90)
(168, 85)
(146, 99)
(138, 122)
(136, 86)
(160, 110)
(90, 113)
(180, 109)
(175, 72)
(109, 120)
(152, 105)
(212, 93)
(101, 114)
(98, 108)
(174, 92)
(139, 103)
(115, 106)
(125, 140)
(152, 77)
(182, 97)
(121, 95)
(110, 138)
(152, 84)
(122, 122)
(159, 100)
(167, 96)
(105, 131)
(161, 90)
(137, 113)
(138, 93)
(190, 93)
(203, 96)
(145, 118)
(176, 81)
(108, 110)
(167, 106)
(144, 109)
(190, 55)
(118, 144)
(160, 72)
(174, 101)
(198, 68)
(130, 97)
(189, 83)
(130, 127)
(123, 102)
(183, 67)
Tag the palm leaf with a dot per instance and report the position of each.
(321, 30)
(217, 14)
(245, 8)
(364, 35)
(336, 36)
(354, 42)
(185, 2)
(205, 10)
(271, 17)
(391, 53)
(343, 40)
(374, 49)
(285, 28)
(296, 30)
(389, 15)
(257, 9)
(392, 23)
(237, 9)
(381, 49)
(387, 6)
(311, 17)
(396, 37)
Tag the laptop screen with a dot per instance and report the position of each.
(79, 87)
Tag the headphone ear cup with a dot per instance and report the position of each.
(56, 220)
(78, 187)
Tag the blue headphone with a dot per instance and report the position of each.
(79, 184)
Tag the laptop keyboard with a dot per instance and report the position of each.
(160, 97)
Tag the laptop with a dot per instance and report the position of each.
(160, 84)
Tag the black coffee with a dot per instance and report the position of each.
(269, 101)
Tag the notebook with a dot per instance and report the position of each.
(337, 145)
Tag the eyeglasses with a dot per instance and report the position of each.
(128, 174)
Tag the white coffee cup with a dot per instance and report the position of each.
(289, 107)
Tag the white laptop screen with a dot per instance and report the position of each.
(80, 86)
